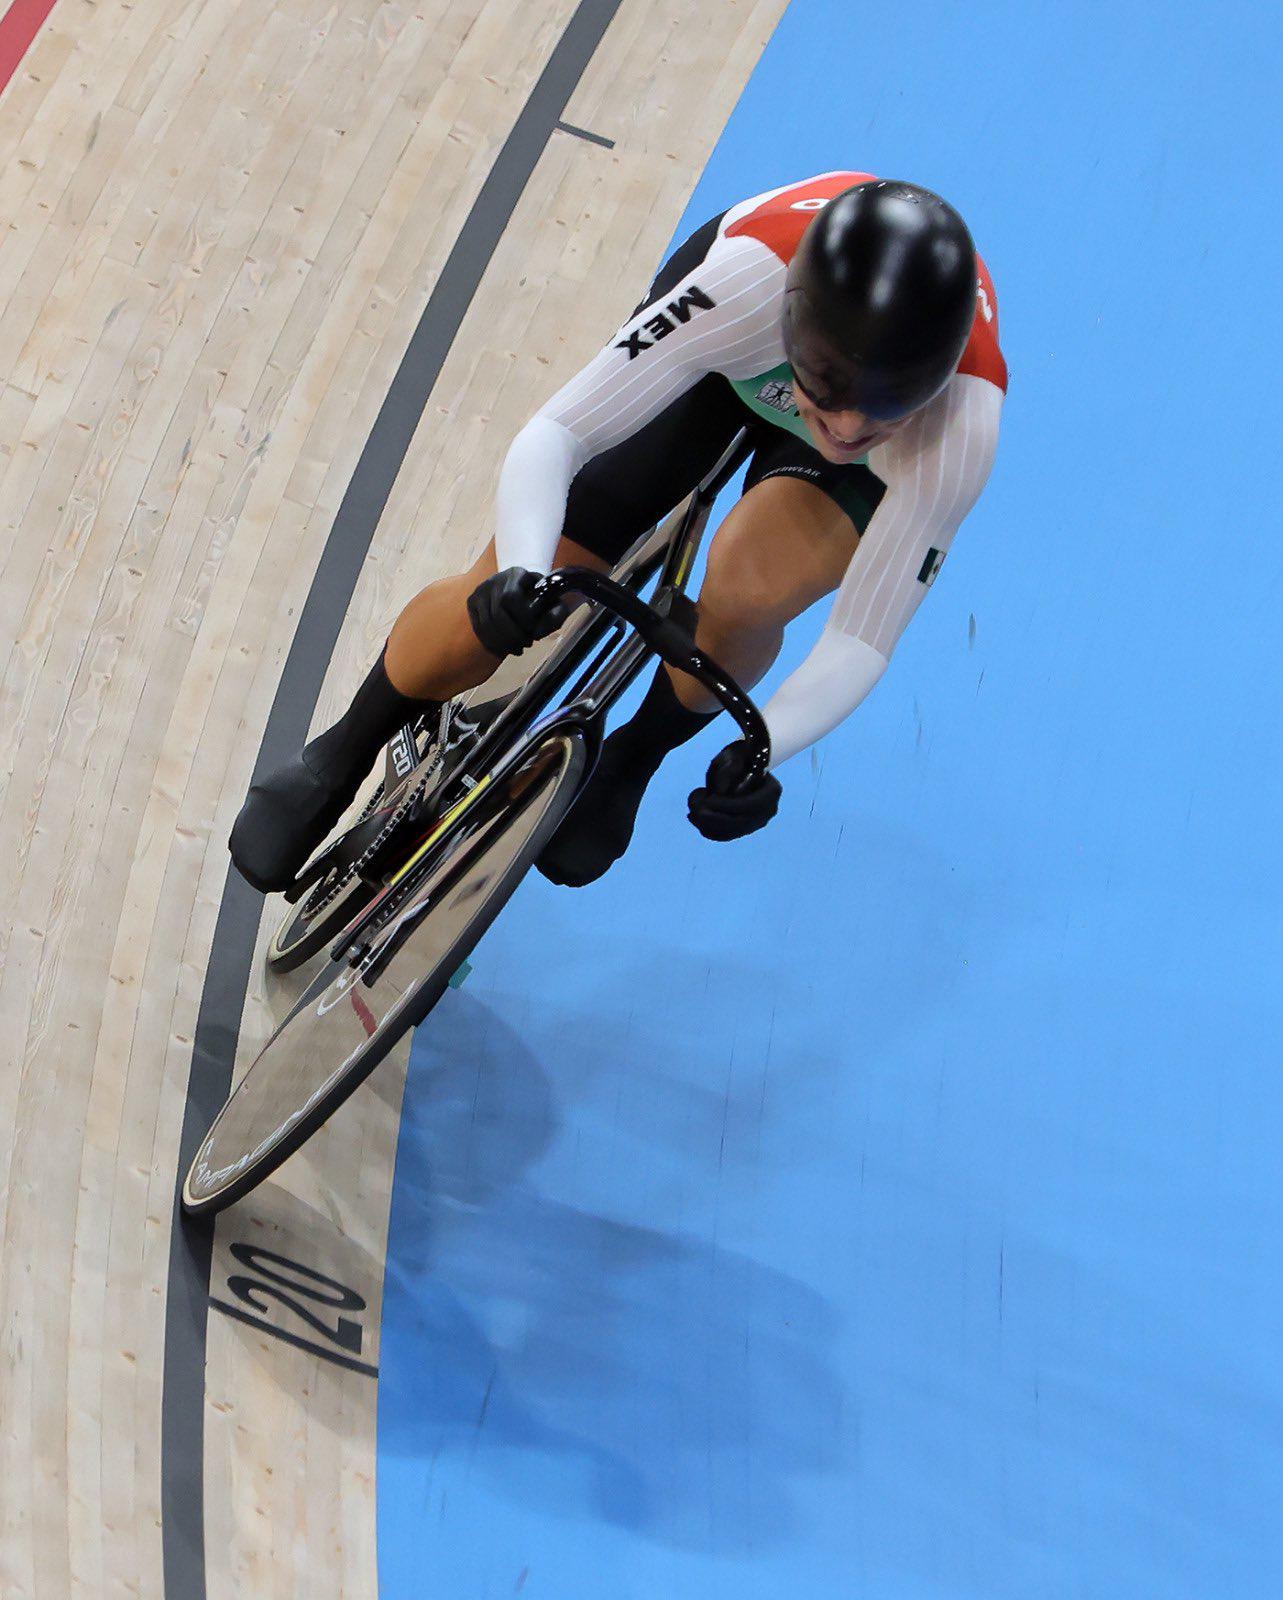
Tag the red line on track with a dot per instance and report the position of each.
(18, 27)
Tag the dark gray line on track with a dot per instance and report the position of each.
(583, 133)
(232, 953)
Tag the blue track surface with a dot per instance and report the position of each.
(890, 1205)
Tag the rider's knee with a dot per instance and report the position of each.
(740, 589)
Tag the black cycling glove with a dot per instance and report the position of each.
(506, 614)
(719, 812)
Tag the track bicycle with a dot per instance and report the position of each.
(403, 896)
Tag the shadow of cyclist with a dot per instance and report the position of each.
(541, 1348)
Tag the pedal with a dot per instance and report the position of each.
(344, 854)
(307, 879)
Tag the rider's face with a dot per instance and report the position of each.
(842, 436)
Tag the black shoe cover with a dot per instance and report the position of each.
(599, 825)
(285, 817)
(289, 813)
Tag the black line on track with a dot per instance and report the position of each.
(583, 133)
(232, 952)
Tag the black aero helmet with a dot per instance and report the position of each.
(879, 300)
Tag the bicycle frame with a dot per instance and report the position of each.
(667, 550)
(655, 631)
(517, 780)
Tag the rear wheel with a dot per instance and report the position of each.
(364, 1000)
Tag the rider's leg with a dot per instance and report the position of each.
(431, 655)
(784, 546)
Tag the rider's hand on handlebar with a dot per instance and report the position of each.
(721, 810)
(507, 614)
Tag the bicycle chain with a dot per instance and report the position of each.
(443, 746)
(440, 750)
(395, 818)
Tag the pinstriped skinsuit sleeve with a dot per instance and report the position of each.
(617, 393)
(934, 469)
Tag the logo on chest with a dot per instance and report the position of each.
(777, 395)
(662, 323)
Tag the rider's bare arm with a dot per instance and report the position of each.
(934, 469)
(723, 317)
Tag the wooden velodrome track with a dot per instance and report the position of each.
(277, 286)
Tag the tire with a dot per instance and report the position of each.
(368, 1004)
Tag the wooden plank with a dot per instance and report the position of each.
(221, 239)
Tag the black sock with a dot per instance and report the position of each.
(599, 826)
(345, 753)
(659, 725)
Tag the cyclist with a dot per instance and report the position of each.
(849, 323)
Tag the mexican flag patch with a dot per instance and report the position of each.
(932, 565)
